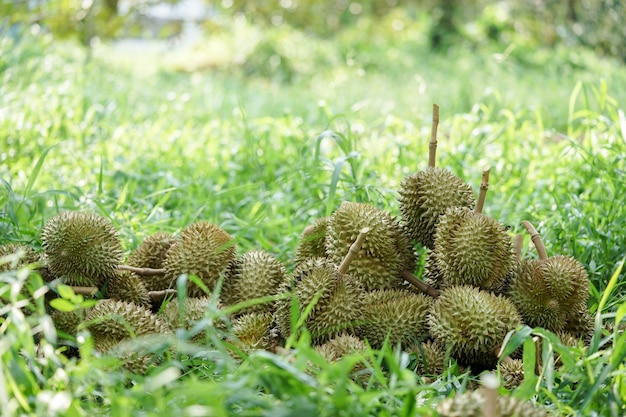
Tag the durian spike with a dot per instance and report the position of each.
(157, 296)
(536, 238)
(145, 272)
(482, 194)
(518, 242)
(84, 290)
(420, 285)
(353, 252)
(490, 384)
(432, 149)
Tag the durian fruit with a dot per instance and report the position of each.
(471, 248)
(580, 324)
(151, 254)
(398, 316)
(472, 323)
(202, 249)
(67, 321)
(550, 292)
(84, 249)
(512, 373)
(29, 256)
(431, 358)
(256, 274)
(337, 309)
(385, 253)
(126, 286)
(193, 309)
(472, 404)
(140, 354)
(111, 321)
(426, 195)
(432, 275)
(312, 243)
(252, 331)
(341, 345)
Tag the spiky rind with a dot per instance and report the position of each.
(580, 324)
(432, 275)
(472, 322)
(192, 310)
(82, 248)
(151, 254)
(111, 321)
(398, 315)
(29, 256)
(203, 249)
(312, 241)
(256, 274)
(385, 252)
(341, 345)
(426, 195)
(338, 299)
(472, 404)
(126, 286)
(252, 331)
(472, 249)
(431, 358)
(140, 354)
(67, 321)
(512, 373)
(548, 293)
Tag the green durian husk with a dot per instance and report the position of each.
(126, 286)
(425, 196)
(431, 358)
(472, 249)
(29, 256)
(337, 309)
(67, 321)
(252, 331)
(312, 242)
(193, 310)
(512, 373)
(385, 252)
(341, 345)
(256, 274)
(471, 404)
(111, 321)
(396, 315)
(203, 249)
(548, 293)
(140, 354)
(472, 322)
(83, 249)
(151, 253)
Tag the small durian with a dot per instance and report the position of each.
(151, 254)
(431, 358)
(252, 331)
(29, 256)
(203, 249)
(512, 373)
(312, 241)
(193, 309)
(340, 346)
(256, 274)
(472, 323)
(426, 195)
(472, 404)
(111, 321)
(126, 286)
(140, 354)
(398, 316)
(385, 253)
(551, 291)
(83, 249)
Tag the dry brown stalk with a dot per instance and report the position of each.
(420, 285)
(536, 239)
(354, 251)
(482, 194)
(145, 272)
(432, 149)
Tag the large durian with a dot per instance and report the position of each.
(472, 404)
(202, 249)
(471, 248)
(426, 195)
(396, 315)
(84, 249)
(111, 321)
(385, 253)
(472, 323)
(312, 243)
(151, 254)
(256, 274)
(551, 292)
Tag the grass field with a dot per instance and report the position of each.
(264, 151)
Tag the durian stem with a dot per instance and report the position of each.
(84, 290)
(432, 148)
(157, 296)
(354, 251)
(518, 242)
(420, 285)
(536, 238)
(144, 272)
(482, 194)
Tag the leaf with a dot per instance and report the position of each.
(527, 388)
(514, 340)
(65, 291)
(62, 304)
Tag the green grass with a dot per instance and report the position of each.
(263, 156)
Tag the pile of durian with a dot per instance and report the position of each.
(352, 284)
